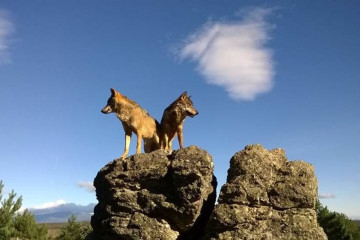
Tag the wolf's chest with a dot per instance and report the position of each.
(175, 117)
(124, 116)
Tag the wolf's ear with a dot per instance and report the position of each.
(183, 95)
(113, 92)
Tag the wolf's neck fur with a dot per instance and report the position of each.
(124, 108)
(178, 113)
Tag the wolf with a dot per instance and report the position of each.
(134, 120)
(173, 118)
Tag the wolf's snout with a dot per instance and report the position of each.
(193, 114)
(106, 110)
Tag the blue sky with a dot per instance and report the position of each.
(279, 73)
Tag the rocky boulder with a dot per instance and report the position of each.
(266, 197)
(155, 196)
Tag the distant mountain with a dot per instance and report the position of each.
(62, 213)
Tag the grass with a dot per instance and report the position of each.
(54, 228)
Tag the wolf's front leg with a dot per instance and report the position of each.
(165, 140)
(138, 143)
(127, 145)
(128, 134)
(180, 136)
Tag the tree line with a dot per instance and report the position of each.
(21, 226)
(337, 226)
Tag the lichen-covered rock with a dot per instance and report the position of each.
(155, 196)
(266, 197)
(160, 196)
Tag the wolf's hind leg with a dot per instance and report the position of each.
(147, 146)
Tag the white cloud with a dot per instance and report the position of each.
(233, 54)
(50, 204)
(326, 195)
(6, 28)
(87, 185)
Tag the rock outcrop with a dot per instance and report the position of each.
(155, 196)
(266, 197)
(168, 197)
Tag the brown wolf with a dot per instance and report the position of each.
(173, 120)
(134, 120)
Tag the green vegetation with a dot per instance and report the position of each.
(27, 228)
(337, 226)
(8, 209)
(74, 230)
(14, 225)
